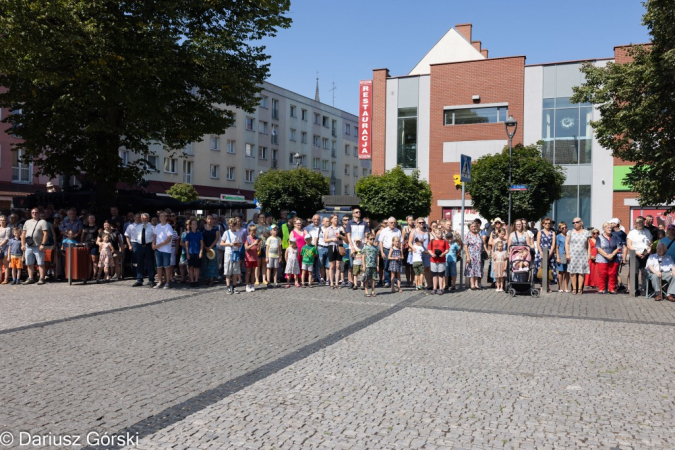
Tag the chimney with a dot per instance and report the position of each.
(465, 30)
(484, 52)
(476, 45)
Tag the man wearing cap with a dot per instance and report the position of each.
(640, 240)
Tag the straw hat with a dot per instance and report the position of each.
(210, 253)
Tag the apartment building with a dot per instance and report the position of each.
(286, 131)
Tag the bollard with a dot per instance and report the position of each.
(632, 272)
(461, 272)
(70, 264)
(544, 271)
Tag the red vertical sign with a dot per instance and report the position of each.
(365, 114)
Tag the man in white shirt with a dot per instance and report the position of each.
(640, 240)
(144, 255)
(313, 230)
(385, 237)
(660, 268)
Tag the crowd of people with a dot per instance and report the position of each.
(351, 251)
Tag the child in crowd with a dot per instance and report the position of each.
(182, 263)
(16, 255)
(231, 242)
(418, 266)
(438, 248)
(395, 264)
(499, 261)
(309, 254)
(194, 249)
(292, 266)
(70, 240)
(272, 246)
(251, 256)
(451, 261)
(370, 258)
(357, 268)
(105, 256)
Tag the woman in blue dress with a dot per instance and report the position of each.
(561, 256)
(546, 240)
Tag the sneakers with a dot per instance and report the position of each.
(137, 284)
(250, 288)
(234, 290)
(158, 286)
(166, 286)
(229, 290)
(41, 282)
(28, 281)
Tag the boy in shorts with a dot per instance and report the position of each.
(309, 254)
(357, 265)
(16, 255)
(370, 256)
(417, 263)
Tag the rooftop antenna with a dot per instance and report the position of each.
(333, 90)
(316, 94)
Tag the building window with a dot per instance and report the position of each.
(249, 175)
(249, 123)
(356, 171)
(275, 154)
(316, 163)
(230, 173)
(304, 115)
(262, 127)
(187, 171)
(189, 149)
(125, 158)
(333, 127)
(316, 140)
(275, 109)
(291, 158)
(231, 146)
(275, 134)
(324, 143)
(348, 129)
(153, 162)
(292, 135)
(326, 120)
(215, 171)
(317, 118)
(21, 172)
(356, 149)
(263, 101)
(324, 165)
(346, 169)
(249, 150)
(567, 131)
(347, 150)
(364, 172)
(303, 137)
(333, 146)
(467, 116)
(215, 143)
(262, 152)
(406, 149)
(293, 111)
(170, 165)
(346, 189)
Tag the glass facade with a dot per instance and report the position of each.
(467, 116)
(406, 148)
(576, 202)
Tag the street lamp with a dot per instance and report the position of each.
(511, 127)
(298, 160)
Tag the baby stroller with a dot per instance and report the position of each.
(520, 272)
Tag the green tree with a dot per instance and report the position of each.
(489, 186)
(300, 190)
(184, 192)
(90, 77)
(636, 106)
(394, 194)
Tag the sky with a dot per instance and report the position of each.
(345, 40)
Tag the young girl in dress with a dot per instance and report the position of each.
(105, 255)
(292, 265)
(395, 263)
(499, 261)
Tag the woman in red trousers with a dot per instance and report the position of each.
(608, 246)
(592, 277)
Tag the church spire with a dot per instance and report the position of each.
(316, 94)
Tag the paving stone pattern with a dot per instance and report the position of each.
(440, 379)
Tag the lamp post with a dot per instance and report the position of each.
(298, 160)
(511, 126)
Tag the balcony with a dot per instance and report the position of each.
(22, 174)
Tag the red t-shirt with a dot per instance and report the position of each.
(438, 244)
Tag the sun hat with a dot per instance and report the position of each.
(210, 253)
(614, 220)
(498, 219)
(309, 236)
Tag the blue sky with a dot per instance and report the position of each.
(344, 40)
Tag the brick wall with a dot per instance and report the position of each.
(496, 81)
(378, 117)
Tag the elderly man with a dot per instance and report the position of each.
(33, 241)
(313, 229)
(660, 268)
(71, 223)
(386, 237)
(144, 255)
(640, 240)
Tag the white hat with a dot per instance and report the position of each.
(614, 220)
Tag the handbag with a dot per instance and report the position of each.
(235, 253)
(563, 259)
(341, 250)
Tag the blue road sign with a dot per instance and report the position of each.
(519, 187)
(465, 169)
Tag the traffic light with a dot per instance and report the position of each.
(458, 182)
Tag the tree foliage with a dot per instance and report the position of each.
(184, 192)
(90, 77)
(394, 194)
(300, 190)
(489, 186)
(637, 105)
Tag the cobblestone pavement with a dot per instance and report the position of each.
(265, 369)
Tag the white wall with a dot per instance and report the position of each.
(452, 151)
(534, 79)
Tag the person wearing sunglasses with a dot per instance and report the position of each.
(33, 240)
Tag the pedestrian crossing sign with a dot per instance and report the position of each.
(465, 169)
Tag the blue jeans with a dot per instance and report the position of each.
(163, 259)
(144, 261)
(387, 274)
